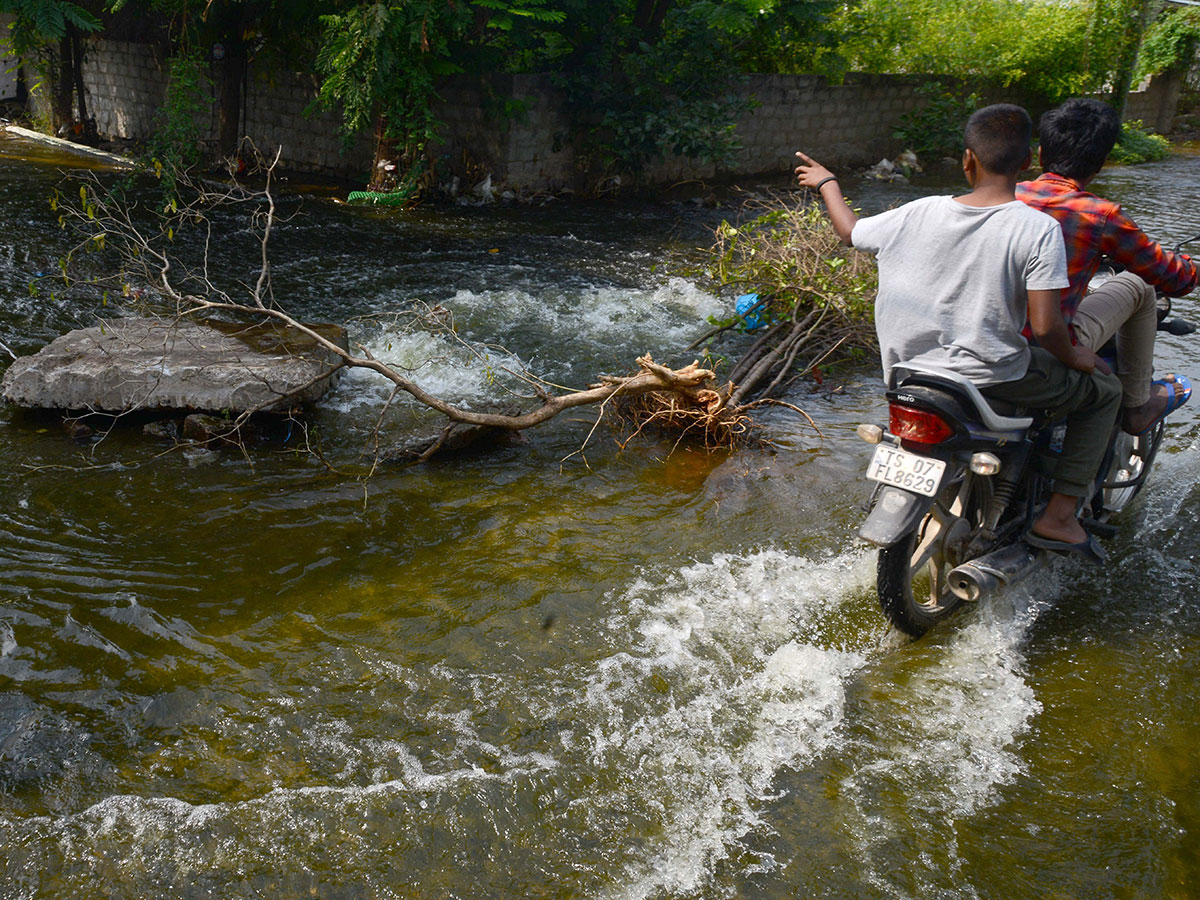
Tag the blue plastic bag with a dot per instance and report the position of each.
(750, 309)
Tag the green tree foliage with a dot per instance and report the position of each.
(1172, 43)
(638, 90)
(648, 78)
(37, 23)
(275, 32)
(380, 63)
(643, 78)
(176, 145)
(48, 34)
(1116, 35)
(1041, 44)
(937, 128)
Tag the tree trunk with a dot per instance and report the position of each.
(86, 131)
(649, 16)
(61, 106)
(1135, 15)
(385, 169)
(231, 80)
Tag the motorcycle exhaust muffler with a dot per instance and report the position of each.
(983, 575)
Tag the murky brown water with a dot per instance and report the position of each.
(526, 675)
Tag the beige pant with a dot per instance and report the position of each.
(1125, 306)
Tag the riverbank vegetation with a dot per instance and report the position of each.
(1136, 145)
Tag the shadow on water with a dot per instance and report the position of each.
(634, 674)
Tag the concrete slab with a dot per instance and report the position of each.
(123, 365)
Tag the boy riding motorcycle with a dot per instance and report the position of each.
(1075, 140)
(957, 279)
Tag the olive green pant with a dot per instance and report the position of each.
(1089, 403)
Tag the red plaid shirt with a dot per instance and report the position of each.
(1094, 227)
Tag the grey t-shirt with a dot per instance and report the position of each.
(953, 282)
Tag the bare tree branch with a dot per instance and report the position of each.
(687, 399)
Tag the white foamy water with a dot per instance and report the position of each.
(942, 745)
(1169, 487)
(436, 364)
(666, 316)
(712, 698)
(564, 328)
(741, 700)
(661, 758)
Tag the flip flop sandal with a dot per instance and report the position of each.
(1088, 549)
(1174, 399)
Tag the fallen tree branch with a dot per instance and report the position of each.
(686, 401)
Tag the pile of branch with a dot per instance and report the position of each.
(816, 294)
(699, 415)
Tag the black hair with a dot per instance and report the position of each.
(999, 136)
(1077, 137)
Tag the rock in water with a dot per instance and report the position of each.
(143, 364)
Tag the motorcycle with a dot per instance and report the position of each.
(957, 487)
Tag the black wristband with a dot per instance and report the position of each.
(824, 181)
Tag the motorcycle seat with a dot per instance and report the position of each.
(995, 415)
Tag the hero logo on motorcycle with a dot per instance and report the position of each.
(919, 474)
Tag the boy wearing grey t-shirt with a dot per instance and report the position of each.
(957, 278)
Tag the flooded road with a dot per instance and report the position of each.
(637, 674)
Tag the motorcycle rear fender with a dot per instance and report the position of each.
(896, 512)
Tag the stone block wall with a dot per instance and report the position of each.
(847, 124)
(1156, 101)
(276, 116)
(515, 127)
(127, 83)
(8, 80)
(127, 86)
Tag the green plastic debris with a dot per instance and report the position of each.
(377, 198)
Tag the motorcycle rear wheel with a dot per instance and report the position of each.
(911, 574)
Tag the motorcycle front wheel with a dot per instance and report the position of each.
(911, 576)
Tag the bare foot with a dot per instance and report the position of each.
(1058, 522)
(1136, 419)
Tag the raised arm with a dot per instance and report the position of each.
(812, 174)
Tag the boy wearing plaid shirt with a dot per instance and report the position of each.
(1076, 139)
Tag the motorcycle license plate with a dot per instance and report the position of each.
(897, 467)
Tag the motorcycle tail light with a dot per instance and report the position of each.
(918, 425)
